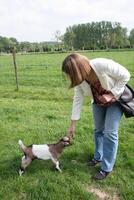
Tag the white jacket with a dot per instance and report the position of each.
(112, 77)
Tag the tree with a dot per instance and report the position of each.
(131, 37)
(58, 38)
(5, 44)
(69, 37)
(57, 35)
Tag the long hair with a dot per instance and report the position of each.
(77, 67)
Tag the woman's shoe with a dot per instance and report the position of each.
(100, 175)
(93, 162)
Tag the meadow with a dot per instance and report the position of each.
(40, 113)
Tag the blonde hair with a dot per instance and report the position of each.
(77, 67)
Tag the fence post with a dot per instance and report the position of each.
(15, 68)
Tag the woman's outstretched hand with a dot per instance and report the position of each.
(71, 130)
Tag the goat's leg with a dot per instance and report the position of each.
(24, 164)
(56, 162)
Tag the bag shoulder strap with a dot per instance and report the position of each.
(131, 89)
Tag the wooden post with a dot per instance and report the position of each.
(15, 68)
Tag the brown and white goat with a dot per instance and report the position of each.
(43, 151)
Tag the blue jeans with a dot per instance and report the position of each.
(106, 122)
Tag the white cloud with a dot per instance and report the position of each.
(37, 20)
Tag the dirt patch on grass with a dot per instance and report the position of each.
(102, 195)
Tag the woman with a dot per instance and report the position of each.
(103, 80)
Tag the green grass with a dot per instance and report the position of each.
(40, 113)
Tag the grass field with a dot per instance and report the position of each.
(40, 113)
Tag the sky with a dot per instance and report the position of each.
(38, 20)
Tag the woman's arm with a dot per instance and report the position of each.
(76, 109)
(77, 103)
(121, 75)
(116, 71)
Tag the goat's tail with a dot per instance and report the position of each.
(22, 146)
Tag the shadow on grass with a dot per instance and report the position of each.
(10, 167)
(69, 162)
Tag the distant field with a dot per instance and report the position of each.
(40, 113)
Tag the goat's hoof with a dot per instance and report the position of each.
(59, 170)
(21, 172)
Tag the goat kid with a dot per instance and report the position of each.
(44, 152)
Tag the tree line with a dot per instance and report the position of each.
(98, 35)
(89, 36)
(7, 44)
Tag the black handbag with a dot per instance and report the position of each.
(126, 101)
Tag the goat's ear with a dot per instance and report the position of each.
(66, 138)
